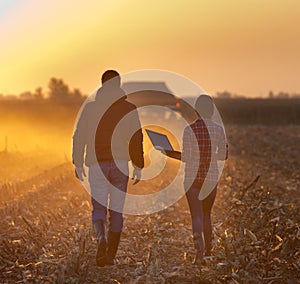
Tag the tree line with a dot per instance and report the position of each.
(271, 95)
(58, 91)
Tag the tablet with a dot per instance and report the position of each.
(159, 141)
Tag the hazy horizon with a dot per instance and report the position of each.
(190, 93)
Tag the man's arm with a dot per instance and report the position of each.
(136, 143)
(136, 151)
(79, 144)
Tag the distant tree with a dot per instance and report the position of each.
(38, 93)
(26, 96)
(237, 96)
(58, 90)
(224, 95)
(283, 95)
(76, 94)
(10, 97)
(296, 96)
(271, 95)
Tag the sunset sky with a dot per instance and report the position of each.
(246, 47)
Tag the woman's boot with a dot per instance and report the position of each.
(208, 244)
(199, 246)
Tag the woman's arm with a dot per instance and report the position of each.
(187, 145)
(222, 153)
(186, 153)
(173, 154)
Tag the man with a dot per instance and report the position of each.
(107, 151)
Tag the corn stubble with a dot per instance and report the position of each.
(46, 235)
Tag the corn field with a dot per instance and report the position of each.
(46, 234)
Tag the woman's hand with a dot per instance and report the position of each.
(172, 154)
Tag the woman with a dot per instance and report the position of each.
(204, 143)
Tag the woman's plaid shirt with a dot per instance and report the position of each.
(200, 154)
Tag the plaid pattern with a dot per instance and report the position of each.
(204, 143)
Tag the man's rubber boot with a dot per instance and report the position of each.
(113, 240)
(100, 230)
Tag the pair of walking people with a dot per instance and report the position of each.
(107, 159)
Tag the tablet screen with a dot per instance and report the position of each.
(159, 141)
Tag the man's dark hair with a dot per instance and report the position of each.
(109, 74)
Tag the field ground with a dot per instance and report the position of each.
(46, 235)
